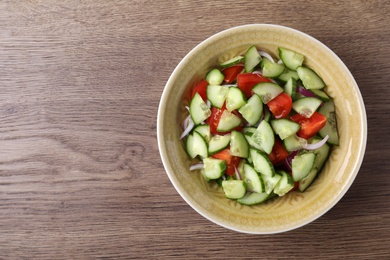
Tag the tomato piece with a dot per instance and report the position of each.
(232, 72)
(280, 106)
(309, 126)
(278, 153)
(201, 88)
(231, 161)
(215, 117)
(246, 81)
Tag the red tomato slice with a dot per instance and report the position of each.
(232, 72)
(280, 106)
(309, 126)
(201, 88)
(215, 117)
(246, 81)
(231, 161)
(278, 153)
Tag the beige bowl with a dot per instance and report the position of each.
(295, 209)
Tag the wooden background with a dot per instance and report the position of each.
(80, 172)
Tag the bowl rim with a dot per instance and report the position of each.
(163, 103)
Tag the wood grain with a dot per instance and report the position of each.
(80, 172)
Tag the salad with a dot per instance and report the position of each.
(260, 127)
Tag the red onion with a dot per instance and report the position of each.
(237, 172)
(305, 92)
(197, 166)
(189, 127)
(316, 145)
(267, 55)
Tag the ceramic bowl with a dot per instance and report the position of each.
(295, 209)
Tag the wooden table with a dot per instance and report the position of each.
(80, 172)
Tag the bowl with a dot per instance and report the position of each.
(295, 209)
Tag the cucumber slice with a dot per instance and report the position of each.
(321, 94)
(328, 110)
(284, 127)
(252, 110)
(308, 180)
(261, 163)
(271, 69)
(306, 106)
(204, 131)
(218, 143)
(196, 145)
(252, 59)
(302, 164)
(215, 77)
(214, 168)
(284, 185)
(232, 61)
(253, 198)
(239, 145)
(288, 74)
(235, 99)
(228, 121)
(253, 181)
(292, 143)
(267, 114)
(290, 58)
(322, 153)
(264, 137)
(199, 110)
(217, 95)
(251, 142)
(234, 189)
(267, 91)
(309, 78)
(270, 182)
(291, 88)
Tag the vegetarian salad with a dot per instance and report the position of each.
(260, 127)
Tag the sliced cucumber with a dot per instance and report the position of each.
(267, 91)
(252, 58)
(252, 110)
(290, 58)
(248, 136)
(196, 145)
(254, 182)
(218, 143)
(309, 78)
(235, 99)
(308, 180)
(322, 153)
(261, 163)
(291, 88)
(306, 106)
(253, 198)
(264, 136)
(328, 110)
(271, 69)
(284, 185)
(284, 127)
(228, 121)
(288, 74)
(232, 61)
(321, 94)
(199, 110)
(267, 114)
(204, 131)
(302, 164)
(217, 95)
(215, 77)
(270, 182)
(234, 189)
(292, 143)
(214, 168)
(239, 145)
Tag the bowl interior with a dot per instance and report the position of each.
(294, 209)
